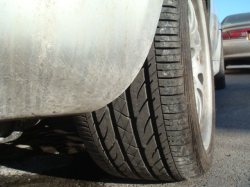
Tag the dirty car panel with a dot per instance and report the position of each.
(61, 57)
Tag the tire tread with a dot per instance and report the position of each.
(145, 133)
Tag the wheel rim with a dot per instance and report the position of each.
(201, 68)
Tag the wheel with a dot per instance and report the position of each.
(161, 128)
(219, 79)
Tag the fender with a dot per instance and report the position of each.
(215, 35)
(60, 57)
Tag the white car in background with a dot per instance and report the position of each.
(236, 36)
(138, 76)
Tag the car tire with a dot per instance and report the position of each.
(220, 79)
(156, 129)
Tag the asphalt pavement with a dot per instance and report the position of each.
(51, 153)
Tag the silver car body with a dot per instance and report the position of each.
(215, 34)
(61, 57)
(236, 48)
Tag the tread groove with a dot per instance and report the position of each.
(118, 137)
(154, 124)
(104, 146)
(133, 120)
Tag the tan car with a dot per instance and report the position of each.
(236, 39)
